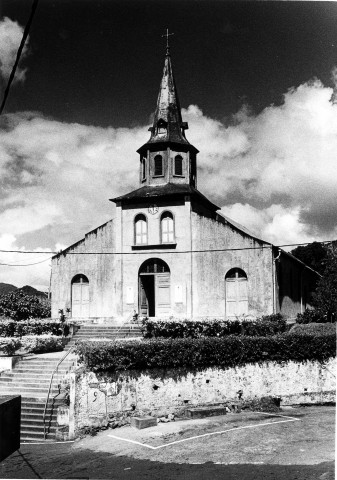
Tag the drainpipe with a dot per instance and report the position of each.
(274, 278)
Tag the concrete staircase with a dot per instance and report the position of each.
(97, 331)
(31, 378)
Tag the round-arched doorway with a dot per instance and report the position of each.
(154, 288)
(80, 296)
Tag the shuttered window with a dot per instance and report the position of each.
(236, 293)
(140, 230)
(167, 228)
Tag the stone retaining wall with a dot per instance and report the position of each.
(100, 400)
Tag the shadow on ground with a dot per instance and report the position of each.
(83, 464)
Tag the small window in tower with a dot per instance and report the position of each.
(161, 127)
(140, 230)
(158, 166)
(143, 168)
(167, 228)
(178, 165)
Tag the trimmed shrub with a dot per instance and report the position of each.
(8, 346)
(41, 344)
(18, 306)
(12, 328)
(310, 316)
(225, 352)
(175, 328)
(314, 329)
(31, 344)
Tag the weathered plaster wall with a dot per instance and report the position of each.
(162, 392)
(210, 268)
(100, 270)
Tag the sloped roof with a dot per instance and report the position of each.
(167, 190)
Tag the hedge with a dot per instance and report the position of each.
(314, 328)
(175, 328)
(12, 328)
(225, 352)
(31, 344)
(310, 316)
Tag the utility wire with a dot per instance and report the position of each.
(25, 264)
(18, 55)
(146, 252)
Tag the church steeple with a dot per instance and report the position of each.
(168, 157)
(167, 122)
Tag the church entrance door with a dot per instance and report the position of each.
(80, 297)
(154, 288)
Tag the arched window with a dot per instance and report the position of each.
(167, 228)
(158, 166)
(143, 163)
(178, 165)
(140, 230)
(236, 293)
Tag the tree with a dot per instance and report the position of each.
(325, 296)
(314, 255)
(18, 306)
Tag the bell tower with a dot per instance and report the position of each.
(168, 157)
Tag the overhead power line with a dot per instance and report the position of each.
(18, 55)
(146, 252)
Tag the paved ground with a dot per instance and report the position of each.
(252, 446)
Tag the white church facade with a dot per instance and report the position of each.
(169, 252)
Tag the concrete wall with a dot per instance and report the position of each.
(162, 392)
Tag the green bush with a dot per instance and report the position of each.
(31, 344)
(8, 346)
(310, 316)
(18, 306)
(314, 329)
(175, 328)
(41, 344)
(225, 352)
(12, 328)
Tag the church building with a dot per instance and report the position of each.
(168, 251)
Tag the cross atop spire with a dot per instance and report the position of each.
(167, 35)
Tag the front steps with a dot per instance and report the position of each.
(98, 331)
(31, 378)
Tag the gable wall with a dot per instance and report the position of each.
(210, 268)
(98, 268)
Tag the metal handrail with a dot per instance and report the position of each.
(50, 384)
(124, 322)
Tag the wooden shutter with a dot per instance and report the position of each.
(163, 294)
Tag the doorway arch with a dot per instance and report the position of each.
(154, 288)
(80, 296)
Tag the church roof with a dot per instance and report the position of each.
(168, 125)
(167, 190)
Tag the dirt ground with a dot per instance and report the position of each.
(298, 445)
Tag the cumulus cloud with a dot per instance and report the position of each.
(10, 37)
(275, 172)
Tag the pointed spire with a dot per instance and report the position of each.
(167, 122)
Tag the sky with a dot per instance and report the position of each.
(257, 85)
